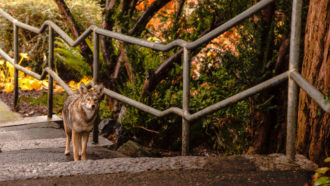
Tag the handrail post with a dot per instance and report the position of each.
(50, 65)
(95, 79)
(185, 103)
(16, 59)
(292, 86)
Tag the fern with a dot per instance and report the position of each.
(71, 57)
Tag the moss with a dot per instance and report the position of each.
(104, 110)
(42, 100)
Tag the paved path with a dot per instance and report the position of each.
(6, 114)
(32, 154)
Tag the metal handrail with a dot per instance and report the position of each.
(311, 91)
(292, 74)
(145, 43)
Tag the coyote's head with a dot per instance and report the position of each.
(90, 99)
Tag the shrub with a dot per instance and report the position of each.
(35, 13)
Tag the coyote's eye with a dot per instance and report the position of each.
(88, 99)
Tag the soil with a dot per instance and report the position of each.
(24, 109)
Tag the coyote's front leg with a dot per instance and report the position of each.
(76, 142)
(84, 145)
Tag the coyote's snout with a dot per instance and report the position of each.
(79, 115)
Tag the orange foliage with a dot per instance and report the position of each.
(156, 25)
(224, 42)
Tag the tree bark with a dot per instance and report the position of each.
(313, 126)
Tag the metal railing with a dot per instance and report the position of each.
(292, 74)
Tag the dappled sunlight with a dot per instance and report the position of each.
(226, 42)
(28, 83)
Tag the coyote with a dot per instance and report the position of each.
(79, 115)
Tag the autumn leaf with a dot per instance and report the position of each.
(25, 56)
(9, 87)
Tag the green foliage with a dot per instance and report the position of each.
(35, 13)
(104, 110)
(42, 100)
(321, 176)
(72, 58)
(221, 75)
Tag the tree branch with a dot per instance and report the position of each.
(125, 5)
(73, 26)
(177, 18)
(154, 77)
(131, 11)
(283, 51)
(147, 15)
(126, 62)
(107, 24)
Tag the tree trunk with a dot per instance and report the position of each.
(262, 120)
(313, 135)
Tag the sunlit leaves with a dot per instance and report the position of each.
(27, 82)
(320, 177)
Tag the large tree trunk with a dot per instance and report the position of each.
(313, 137)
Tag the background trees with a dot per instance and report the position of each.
(242, 57)
(249, 53)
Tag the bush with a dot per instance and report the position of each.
(35, 13)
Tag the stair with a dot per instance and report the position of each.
(5, 113)
(36, 141)
(32, 152)
(34, 148)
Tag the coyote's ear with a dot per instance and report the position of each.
(99, 90)
(82, 89)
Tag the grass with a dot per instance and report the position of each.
(42, 100)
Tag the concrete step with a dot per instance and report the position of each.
(94, 167)
(235, 166)
(52, 155)
(31, 132)
(24, 142)
(17, 121)
(6, 115)
(15, 145)
(37, 135)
